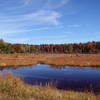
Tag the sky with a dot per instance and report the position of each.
(49, 21)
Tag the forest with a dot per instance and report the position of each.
(89, 47)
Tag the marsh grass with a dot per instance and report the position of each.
(81, 60)
(12, 88)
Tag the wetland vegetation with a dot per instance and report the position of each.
(16, 55)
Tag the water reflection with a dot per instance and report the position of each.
(75, 78)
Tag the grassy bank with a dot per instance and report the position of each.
(52, 59)
(12, 88)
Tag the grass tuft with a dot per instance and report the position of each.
(12, 88)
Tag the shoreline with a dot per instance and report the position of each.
(13, 88)
(58, 60)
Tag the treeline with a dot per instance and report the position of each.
(90, 47)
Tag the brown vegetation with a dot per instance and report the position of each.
(12, 88)
(92, 60)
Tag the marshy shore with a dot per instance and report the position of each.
(12, 88)
(20, 59)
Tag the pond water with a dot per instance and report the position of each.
(73, 78)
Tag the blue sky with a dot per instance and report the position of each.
(49, 21)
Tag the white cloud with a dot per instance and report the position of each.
(53, 4)
(22, 30)
(19, 22)
(49, 4)
(42, 16)
(45, 16)
(26, 2)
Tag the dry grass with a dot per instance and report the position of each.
(12, 88)
(52, 59)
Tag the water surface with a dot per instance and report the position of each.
(73, 78)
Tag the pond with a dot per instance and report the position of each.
(72, 78)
